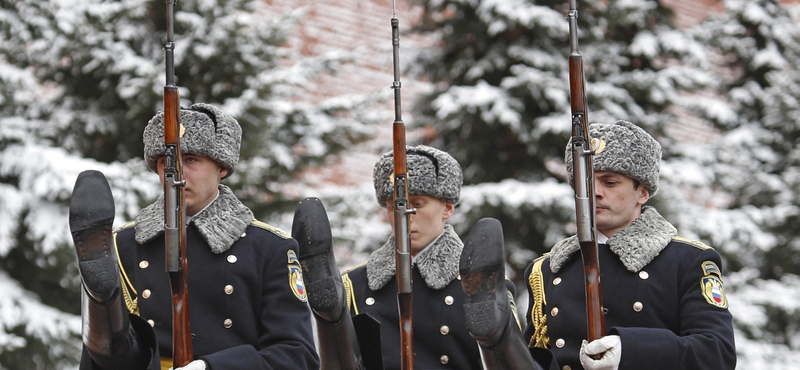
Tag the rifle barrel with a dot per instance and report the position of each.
(175, 210)
(583, 175)
(401, 213)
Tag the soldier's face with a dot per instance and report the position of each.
(202, 175)
(428, 223)
(617, 202)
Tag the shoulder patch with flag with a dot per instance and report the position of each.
(296, 276)
(711, 285)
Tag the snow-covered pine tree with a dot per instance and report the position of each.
(753, 170)
(80, 80)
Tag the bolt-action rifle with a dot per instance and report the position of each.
(175, 209)
(401, 212)
(583, 175)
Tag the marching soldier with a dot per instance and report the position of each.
(247, 299)
(663, 295)
(441, 340)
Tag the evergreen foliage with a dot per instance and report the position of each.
(79, 81)
(500, 105)
(755, 161)
(500, 71)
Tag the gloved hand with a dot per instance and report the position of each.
(194, 365)
(607, 351)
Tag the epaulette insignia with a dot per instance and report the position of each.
(296, 276)
(711, 285)
(710, 267)
(263, 225)
(693, 243)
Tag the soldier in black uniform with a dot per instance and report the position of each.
(247, 300)
(441, 340)
(664, 301)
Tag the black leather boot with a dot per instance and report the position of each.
(487, 312)
(107, 332)
(338, 344)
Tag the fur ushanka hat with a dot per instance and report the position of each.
(624, 148)
(431, 172)
(206, 131)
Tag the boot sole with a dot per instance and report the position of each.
(91, 217)
(482, 269)
(312, 230)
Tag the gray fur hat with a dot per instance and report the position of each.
(206, 131)
(431, 172)
(624, 148)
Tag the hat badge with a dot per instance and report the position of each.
(182, 131)
(598, 145)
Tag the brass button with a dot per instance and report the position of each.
(144, 264)
(151, 322)
(444, 359)
(370, 301)
(458, 276)
(643, 275)
(566, 367)
(448, 300)
(227, 323)
(638, 306)
(243, 235)
(444, 330)
(146, 293)
(560, 342)
(554, 311)
(557, 281)
(228, 289)
(232, 259)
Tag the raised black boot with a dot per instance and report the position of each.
(487, 312)
(107, 332)
(338, 344)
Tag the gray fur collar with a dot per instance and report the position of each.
(438, 265)
(221, 223)
(636, 245)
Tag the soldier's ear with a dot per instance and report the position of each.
(644, 196)
(449, 209)
(222, 172)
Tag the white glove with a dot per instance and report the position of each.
(194, 365)
(607, 350)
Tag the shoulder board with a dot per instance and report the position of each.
(123, 227)
(693, 243)
(362, 264)
(263, 225)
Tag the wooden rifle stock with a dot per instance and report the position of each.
(175, 211)
(401, 214)
(583, 175)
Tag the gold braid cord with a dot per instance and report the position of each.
(538, 318)
(128, 291)
(351, 297)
